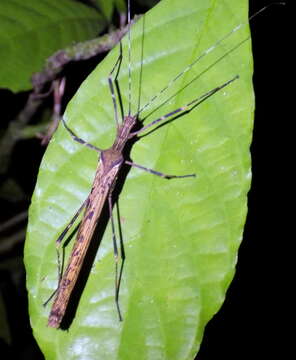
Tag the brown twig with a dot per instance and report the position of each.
(80, 51)
(58, 93)
(15, 220)
(54, 66)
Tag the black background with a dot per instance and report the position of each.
(251, 322)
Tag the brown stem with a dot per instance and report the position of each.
(80, 51)
(54, 66)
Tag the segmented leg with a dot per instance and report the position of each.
(116, 257)
(64, 232)
(154, 172)
(111, 86)
(61, 237)
(194, 102)
(58, 242)
(78, 139)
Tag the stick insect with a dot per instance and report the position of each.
(111, 161)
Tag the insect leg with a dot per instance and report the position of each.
(111, 86)
(64, 232)
(58, 242)
(61, 237)
(192, 103)
(78, 139)
(116, 257)
(154, 172)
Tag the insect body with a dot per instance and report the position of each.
(110, 163)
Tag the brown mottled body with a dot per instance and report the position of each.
(110, 163)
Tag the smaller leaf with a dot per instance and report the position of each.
(106, 7)
(120, 6)
(31, 31)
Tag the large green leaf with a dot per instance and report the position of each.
(180, 236)
(31, 30)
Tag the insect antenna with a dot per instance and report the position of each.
(186, 107)
(129, 58)
(111, 81)
(204, 53)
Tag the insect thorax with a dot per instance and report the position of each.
(124, 131)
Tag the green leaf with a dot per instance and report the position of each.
(180, 236)
(32, 30)
(106, 7)
(120, 6)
